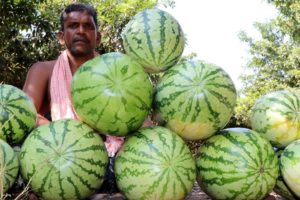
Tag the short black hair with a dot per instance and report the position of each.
(81, 8)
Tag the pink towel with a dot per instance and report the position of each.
(60, 90)
(61, 104)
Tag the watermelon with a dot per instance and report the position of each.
(112, 93)
(195, 99)
(237, 163)
(155, 163)
(290, 166)
(17, 114)
(9, 166)
(276, 115)
(280, 187)
(283, 190)
(155, 39)
(64, 159)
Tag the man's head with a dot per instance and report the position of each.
(78, 7)
(79, 30)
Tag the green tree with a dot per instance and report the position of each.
(28, 31)
(274, 59)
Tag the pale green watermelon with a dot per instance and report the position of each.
(155, 39)
(112, 94)
(196, 99)
(63, 160)
(276, 116)
(9, 166)
(155, 163)
(236, 164)
(290, 166)
(281, 188)
(17, 114)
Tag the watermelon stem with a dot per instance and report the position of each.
(25, 191)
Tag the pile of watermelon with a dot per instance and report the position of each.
(194, 100)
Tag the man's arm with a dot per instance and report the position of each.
(36, 86)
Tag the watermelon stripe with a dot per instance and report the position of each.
(83, 181)
(89, 161)
(147, 27)
(53, 133)
(129, 77)
(243, 148)
(44, 186)
(165, 187)
(134, 52)
(61, 188)
(77, 192)
(163, 19)
(155, 184)
(215, 114)
(182, 183)
(46, 143)
(177, 46)
(80, 89)
(141, 154)
(144, 105)
(149, 142)
(128, 172)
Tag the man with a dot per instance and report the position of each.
(48, 83)
(79, 36)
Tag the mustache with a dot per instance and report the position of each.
(81, 39)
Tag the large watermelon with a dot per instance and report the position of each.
(63, 160)
(155, 39)
(9, 166)
(196, 99)
(290, 166)
(276, 116)
(237, 164)
(17, 114)
(112, 94)
(155, 163)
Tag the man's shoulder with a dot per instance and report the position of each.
(45, 65)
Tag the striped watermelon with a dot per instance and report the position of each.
(237, 164)
(112, 94)
(155, 163)
(290, 166)
(17, 114)
(277, 116)
(196, 99)
(9, 166)
(155, 39)
(280, 187)
(64, 160)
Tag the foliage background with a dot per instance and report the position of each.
(28, 31)
(274, 59)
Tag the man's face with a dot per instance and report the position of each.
(80, 35)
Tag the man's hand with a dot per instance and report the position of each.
(41, 120)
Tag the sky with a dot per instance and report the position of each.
(212, 26)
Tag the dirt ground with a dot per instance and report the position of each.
(195, 194)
